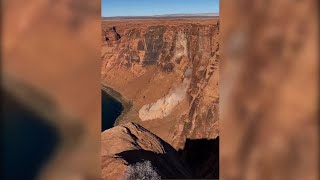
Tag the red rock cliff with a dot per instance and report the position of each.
(169, 69)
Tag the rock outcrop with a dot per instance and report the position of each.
(169, 69)
(130, 145)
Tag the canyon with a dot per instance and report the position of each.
(168, 71)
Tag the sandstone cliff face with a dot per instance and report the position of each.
(126, 145)
(169, 69)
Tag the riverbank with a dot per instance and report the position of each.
(126, 103)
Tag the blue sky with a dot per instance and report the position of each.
(157, 7)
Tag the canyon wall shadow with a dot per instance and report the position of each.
(202, 156)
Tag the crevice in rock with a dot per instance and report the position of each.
(117, 34)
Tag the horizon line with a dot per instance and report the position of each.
(163, 15)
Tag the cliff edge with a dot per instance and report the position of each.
(131, 150)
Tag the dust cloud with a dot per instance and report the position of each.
(164, 106)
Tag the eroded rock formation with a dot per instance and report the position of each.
(169, 70)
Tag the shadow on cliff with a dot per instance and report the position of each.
(166, 165)
(202, 156)
(199, 159)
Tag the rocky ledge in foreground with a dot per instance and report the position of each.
(130, 151)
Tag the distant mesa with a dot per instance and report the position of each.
(200, 15)
(182, 15)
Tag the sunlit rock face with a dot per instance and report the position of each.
(129, 145)
(169, 70)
